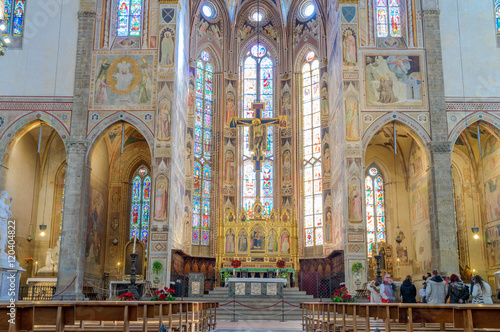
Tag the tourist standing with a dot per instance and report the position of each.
(425, 278)
(458, 292)
(481, 293)
(374, 288)
(436, 290)
(408, 291)
(387, 290)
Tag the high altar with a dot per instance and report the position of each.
(258, 240)
(257, 236)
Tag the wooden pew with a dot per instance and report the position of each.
(410, 313)
(476, 316)
(367, 311)
(100, 311)
(24, 317)
(54, 313)
(179, 315)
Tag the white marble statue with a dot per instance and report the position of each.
(51, 260)
(5, 215)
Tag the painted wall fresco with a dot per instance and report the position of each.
(493, 248)
(419, 201)
(393, 80)
(491, 173)
(96, 223)
(124, 80)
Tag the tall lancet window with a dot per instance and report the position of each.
(258, 59)
(202, 151)
(388, 18)
(140, 207)
(375, 210)
(129, 18)
(311, 131)
(13, 18)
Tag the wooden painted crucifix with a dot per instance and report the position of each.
(258, 132)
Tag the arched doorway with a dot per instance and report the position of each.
(396, 201)
(476, 175)
(35, 162)
(119, 204)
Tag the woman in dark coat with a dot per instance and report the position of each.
(408, 291)
(458, 292)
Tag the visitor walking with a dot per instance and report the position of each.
(436, 290)
(458, 292)
(374, 288)
(387, 290)
(481, 293)
(408, 291)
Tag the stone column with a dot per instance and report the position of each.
(441, 208)
(73, 237)
(74, 229)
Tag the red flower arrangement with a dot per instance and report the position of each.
(280, 264)
(165, 294)
(341, 295)
(235, 263)
(127, 297)
(28, 259)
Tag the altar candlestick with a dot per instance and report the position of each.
(135, 240)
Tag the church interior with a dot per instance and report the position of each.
(196, 133)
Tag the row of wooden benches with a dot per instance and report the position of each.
(61, 316)
(322, 316)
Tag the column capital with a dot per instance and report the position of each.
(84, 14)
(440, 147)
(77, 146)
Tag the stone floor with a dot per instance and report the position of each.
(256, 326)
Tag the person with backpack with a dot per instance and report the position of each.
(387, 290)
(458, 292)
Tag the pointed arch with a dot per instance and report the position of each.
(99, 130)
(22, 125)
(471, 119)
(417, 131)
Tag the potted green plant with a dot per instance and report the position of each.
(157, 269)
(226, 275)
(356, 270)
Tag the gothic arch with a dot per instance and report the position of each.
(214, 56)
(24, 124)
(264, 40)
(416, 130)
(98, 131)
(471, 119)
(300, 61)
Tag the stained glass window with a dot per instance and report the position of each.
(311, 143)
(375, 210)
(497, 16)
(129, 18)
(388, 18)
(202, 151)
(140, 205)
(14, 17)
(258, 60)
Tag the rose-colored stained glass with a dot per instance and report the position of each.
(319, 236)
(309, 237)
